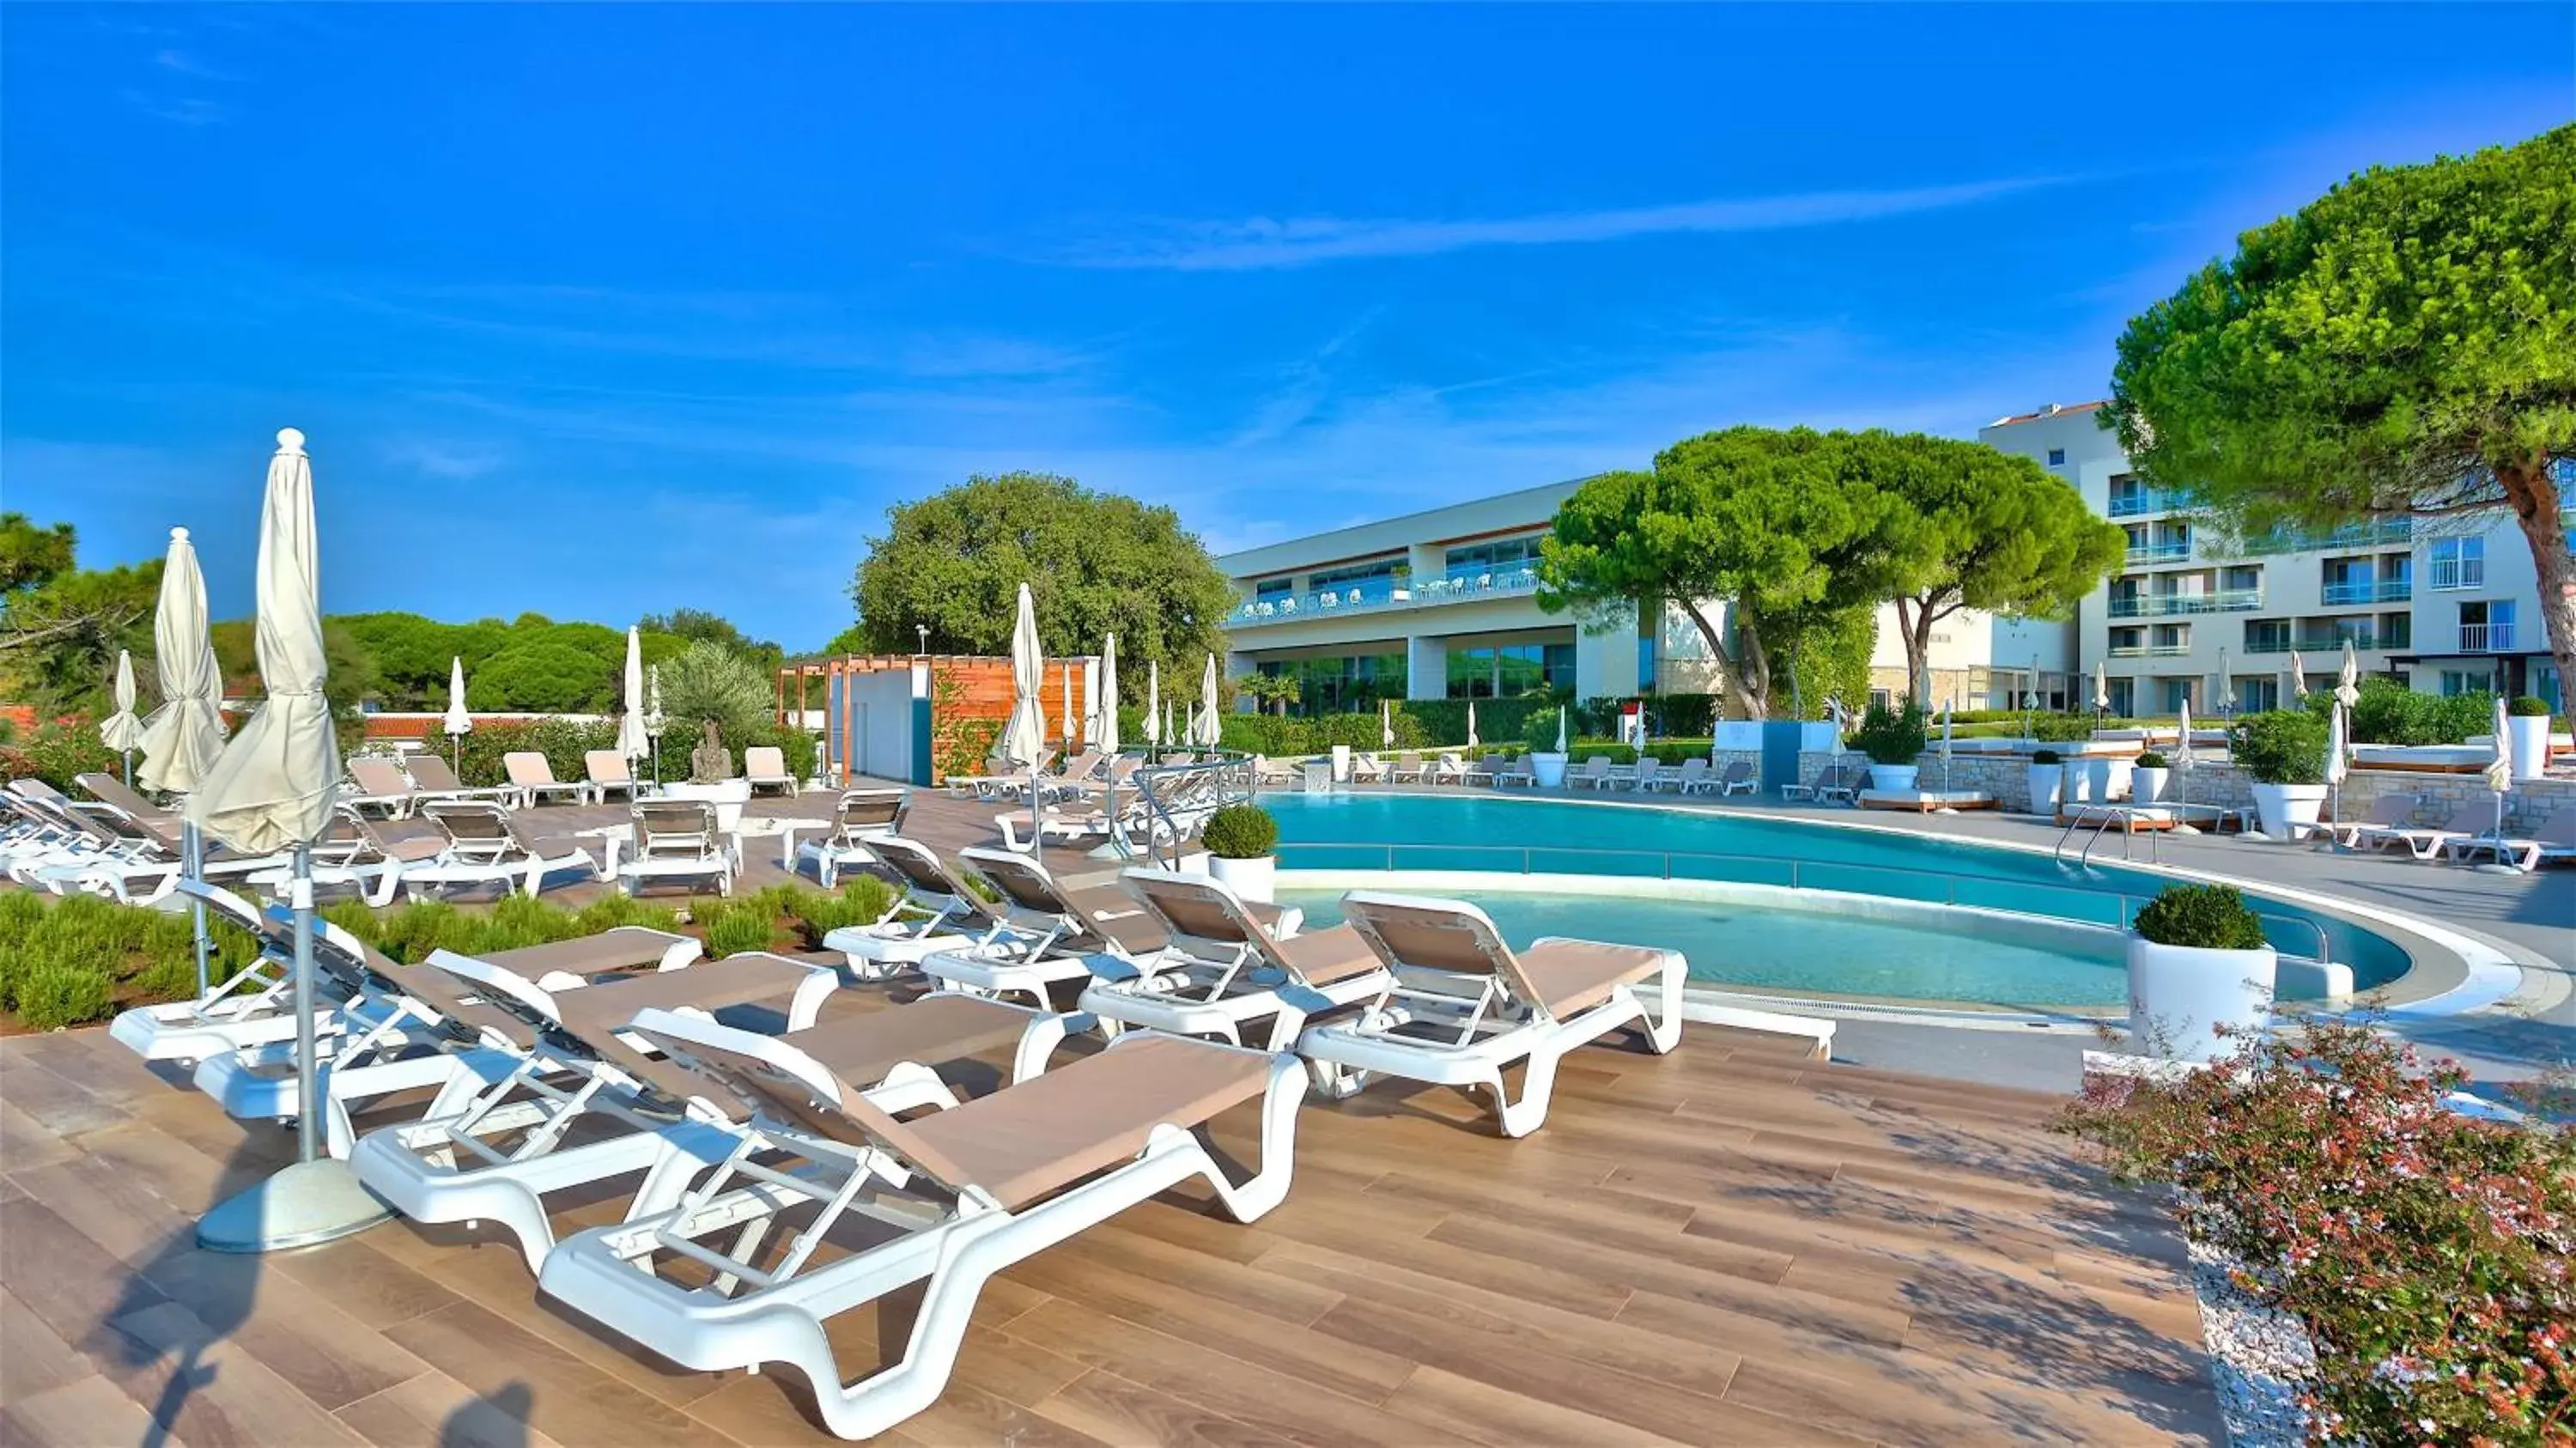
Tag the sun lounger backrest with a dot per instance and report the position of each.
(669, 826)
(379, 776)
(1022, 881)
(872, 809)
(606, 766)
(1423, 932)
(1196, 907)
(110, 790)
(431, 772)
(2472, 818)
(1694, 767)
(528, 767)
(1647, 765)
(226, 905)
(1738, 771)
(787, 1086)
(766, 761)
(469, 822)
(2391, 810)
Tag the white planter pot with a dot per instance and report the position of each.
(2046, 780)
(2179, 993)
(2146, 786)
(1548, 768)
(2282, 807)
(2529, 734)
(1341, 764)
(1251, 879)
(728, 796)
(2097, 779)
(1892, 776)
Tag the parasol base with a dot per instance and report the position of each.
(303, 1205)
(2183, 829)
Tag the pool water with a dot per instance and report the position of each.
(1763, 948)
(1509, 836)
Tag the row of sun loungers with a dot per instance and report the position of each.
(604, 1065)
(396, 788)
(2467, 834)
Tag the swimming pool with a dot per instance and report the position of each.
(1505, 836)
(1764, 947)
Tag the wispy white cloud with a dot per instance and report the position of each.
(182, 63)
(178, 110)
(1262, 242)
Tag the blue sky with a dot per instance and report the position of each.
(599, 310)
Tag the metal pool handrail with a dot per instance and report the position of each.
(1950, 878)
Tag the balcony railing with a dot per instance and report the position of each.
(2138, 504)
(2364, 590)
(1322, 603)
(2486, 638)
(2322, 644)
(2166, 605)
(2160, 552)
(2357, 535)
(1456, 586)
(2149, 651)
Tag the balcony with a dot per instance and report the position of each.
(2168, 605)
(2160, 552)
(1464, 585)
(2317, 644)
(2385, 590)
(2382, 533)
(2139, 504)
(2486, 638)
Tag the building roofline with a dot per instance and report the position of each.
(2051, 410)
(1417, 513)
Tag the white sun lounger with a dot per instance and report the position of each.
(2466, 823)
(354, 853)
(494, 1149)
(1463, 1006)
(251, 1007)
(676, 839)
(436, 782)
(608, 774)
(1053, 931)
(1595, 773)
(485, 846)
(862, 817)
(936, 913)
(1738, 779)
(969, 1190)
(2554, 840)
(535, 780)
(404, 1019)
(2388, 812)
(764, 766)
(1222, 971)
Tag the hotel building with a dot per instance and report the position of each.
(1443, 604)
(2192, 616)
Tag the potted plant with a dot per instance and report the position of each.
(2197, 961)
(1240, 840)
(2047, 781)
(1893, 739)
(2147, 780)
(2527, 725)
(1545, 735)
(2283, 751)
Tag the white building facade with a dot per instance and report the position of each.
(1443, 604)
(2192, 616)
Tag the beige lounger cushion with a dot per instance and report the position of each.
(1114, 913)
(1324, 957)
(1050, 1131)
(1574, 975)
(623, 947)
(712, 985)
(861, 1048)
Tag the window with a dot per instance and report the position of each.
(2396, 631)
(2456, 682)
(2124, 697)
(2177, 694)
(2259, 694)
(1509, 671)
(2243, 579)
(2459, 563)
(2267, 635)
(2057, 457)
(1270, 590)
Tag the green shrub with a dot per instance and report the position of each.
(54, 995)
(2204, 917)
(1240, 832)
(56, 751)
(1891, 736)
(1540, 730)
(817, 913)
(609, 911)
(2528, 707)
(2280, 746)
(2149, 759)
(2061, 728)
(743, 925)
(2388, 712)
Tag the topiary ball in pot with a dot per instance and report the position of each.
(2197, 961)
(1240, 839)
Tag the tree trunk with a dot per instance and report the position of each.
(2536, 501)
(1914, 625)
(1757, 668)
(1757, 702)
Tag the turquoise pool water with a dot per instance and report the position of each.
(1509, 836)
(1763, 948)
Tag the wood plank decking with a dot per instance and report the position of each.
(1728, 1245)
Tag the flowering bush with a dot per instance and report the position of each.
(2427, 1253)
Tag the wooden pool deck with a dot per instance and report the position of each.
(1732, 1244)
